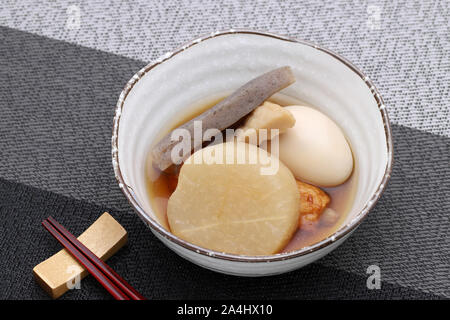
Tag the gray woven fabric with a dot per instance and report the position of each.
(404, 46)
(57, 108)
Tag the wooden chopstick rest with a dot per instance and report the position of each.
(59, 272)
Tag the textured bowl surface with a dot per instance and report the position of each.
(170, 88)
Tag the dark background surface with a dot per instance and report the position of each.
(57, 101)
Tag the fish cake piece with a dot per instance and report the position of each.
(313, 202)
(267, 116)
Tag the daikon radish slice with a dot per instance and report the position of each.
(233, 208)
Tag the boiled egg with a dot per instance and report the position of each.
(315, 149)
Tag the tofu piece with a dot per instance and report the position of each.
(267, 116)
(313, 201)
(104, 238)
(233, 208)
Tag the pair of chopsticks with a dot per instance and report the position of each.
(106, 276)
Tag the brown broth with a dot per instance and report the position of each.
(160, 186)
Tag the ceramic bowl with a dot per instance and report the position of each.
(170, 88)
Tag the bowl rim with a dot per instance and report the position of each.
(342, 232)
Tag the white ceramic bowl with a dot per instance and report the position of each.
(170, 87)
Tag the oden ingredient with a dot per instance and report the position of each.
(232, 207)
(267, 116)
(312, 202)
(312, 199)
(228, 111)
(315, 149)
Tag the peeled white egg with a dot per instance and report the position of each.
(315, 149)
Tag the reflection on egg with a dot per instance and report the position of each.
(315, 149)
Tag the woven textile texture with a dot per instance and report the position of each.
(60, 85)
(404, 46)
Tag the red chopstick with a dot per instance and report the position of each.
(107, 270)
(98, 275)
(104, 274)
